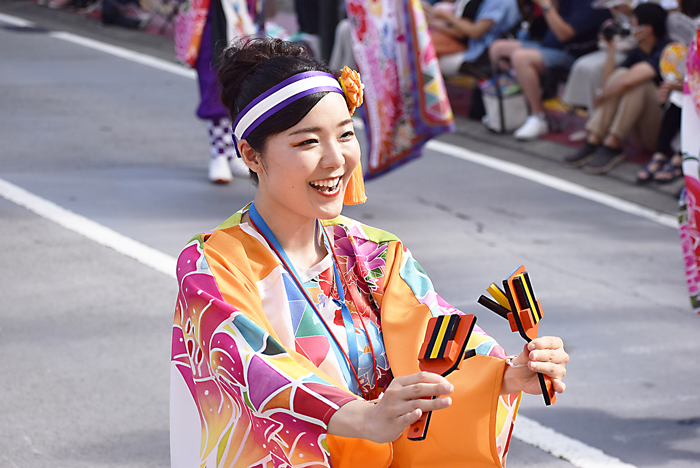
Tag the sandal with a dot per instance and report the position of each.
(672, 170)
(655, 164)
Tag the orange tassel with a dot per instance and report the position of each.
(355, 191)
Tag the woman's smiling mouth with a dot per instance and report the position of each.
(327, 186)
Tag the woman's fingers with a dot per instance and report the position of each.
(543, 355)
(558, 385)
(423, 384)
(555, 371)
(545, 342)
(557, 356)
(409, 418)
(404, 402)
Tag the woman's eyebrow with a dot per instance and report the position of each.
(306, 130)
(318, 129)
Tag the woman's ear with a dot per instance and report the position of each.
(250, 157)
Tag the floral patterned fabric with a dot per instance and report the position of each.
(395, 55)
(189, 26)
(255, 379)
(192, 17)
(689, 216)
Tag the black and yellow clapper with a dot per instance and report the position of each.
(442, 352)
(517, 303)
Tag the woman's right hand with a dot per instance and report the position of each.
(402, 404)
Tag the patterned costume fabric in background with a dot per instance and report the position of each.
(189, 26)
(202, 29)
(221, 138)
(254, 381)
(689, 215)
(397, 61)
(191, 18)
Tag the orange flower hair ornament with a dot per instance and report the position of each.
(352, 88)
(354, 93)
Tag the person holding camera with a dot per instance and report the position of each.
(586, 74)
(627, 101)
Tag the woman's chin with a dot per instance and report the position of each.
(331, 209)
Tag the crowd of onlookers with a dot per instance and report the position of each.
(607, 53)
(601, 57)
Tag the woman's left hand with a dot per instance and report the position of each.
(544, 355)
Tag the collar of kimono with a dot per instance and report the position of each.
(353, 359)
(280, 96)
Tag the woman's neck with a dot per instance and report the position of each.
(299, 237)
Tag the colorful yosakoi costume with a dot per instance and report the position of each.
(203, 28)
(256, 376)
(689, 215)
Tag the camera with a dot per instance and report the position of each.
(615, 28)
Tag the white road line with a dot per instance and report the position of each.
(553, 182)
(527, 430)
(88, 228)
(126, 54)
(15, 21)
(576, 452)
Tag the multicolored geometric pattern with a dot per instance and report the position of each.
(406, 102)
(254, 379)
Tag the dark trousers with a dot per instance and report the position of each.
(670, 126)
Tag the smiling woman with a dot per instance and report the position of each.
(297, 330)
(303, 171)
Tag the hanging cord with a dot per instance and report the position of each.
(274, 245)
(355, 300)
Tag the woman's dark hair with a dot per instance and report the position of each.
(251, 66)
(654, 15)
(690, 8)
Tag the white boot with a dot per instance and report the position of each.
(219, 170)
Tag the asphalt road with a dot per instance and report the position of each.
(84, 330)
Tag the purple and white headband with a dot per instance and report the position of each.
(279, 97)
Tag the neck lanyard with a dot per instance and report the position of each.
(353, 360)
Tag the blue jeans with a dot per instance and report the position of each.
(551, 57)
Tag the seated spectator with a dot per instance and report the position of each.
(586, 74)
(628, 100)
(573, 28)
(463, 31)
(665, 166)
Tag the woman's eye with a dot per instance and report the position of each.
(348, 134)
(310, 141)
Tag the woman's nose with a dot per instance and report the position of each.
(332, 155)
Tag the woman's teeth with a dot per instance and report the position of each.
(327, 185)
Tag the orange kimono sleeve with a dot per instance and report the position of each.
(466, 433)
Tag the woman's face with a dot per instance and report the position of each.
(305, 169)
(639, 32)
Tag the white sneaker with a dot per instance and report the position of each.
(238, 168)
(219, 170)
(534, 127)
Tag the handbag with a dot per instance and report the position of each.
(504, 103)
